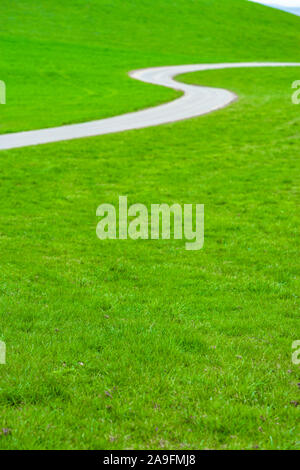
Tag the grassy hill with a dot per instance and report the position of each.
(142, 344)
(68, 62)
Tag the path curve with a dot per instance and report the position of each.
(196, 101)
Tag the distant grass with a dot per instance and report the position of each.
(179, 349)
(67, 62)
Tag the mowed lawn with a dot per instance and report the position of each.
(142, 344)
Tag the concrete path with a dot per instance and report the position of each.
(196, 101)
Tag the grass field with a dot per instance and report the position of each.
(142, 344)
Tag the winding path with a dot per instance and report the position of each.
(196, 101)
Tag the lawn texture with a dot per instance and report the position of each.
(142, 344)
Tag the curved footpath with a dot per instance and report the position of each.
(197, 100)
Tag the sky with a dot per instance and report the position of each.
(292, 6)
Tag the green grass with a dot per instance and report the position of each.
(68, 61)
(180, 349)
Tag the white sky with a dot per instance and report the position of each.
(284, 3)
